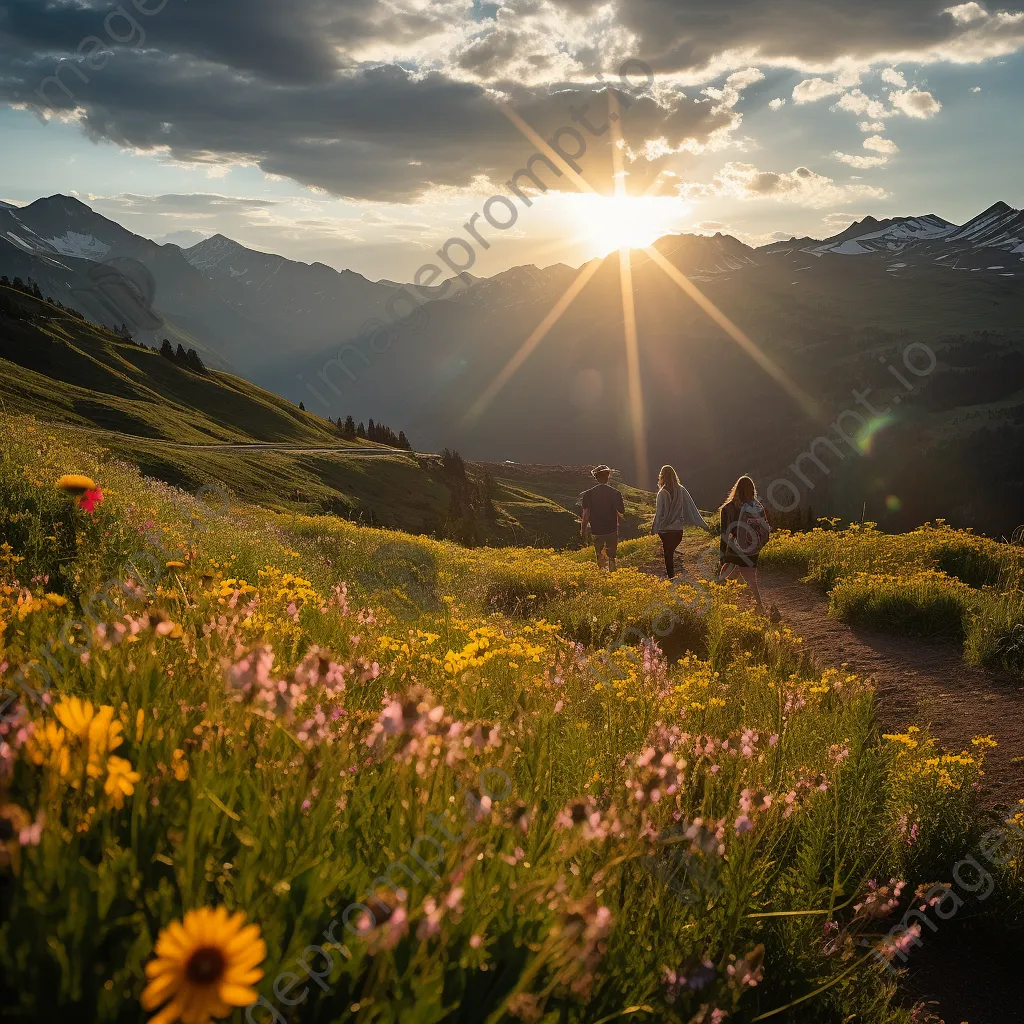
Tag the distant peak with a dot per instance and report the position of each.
(64, 201)
(997, 208)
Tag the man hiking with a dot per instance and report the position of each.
(602, 510)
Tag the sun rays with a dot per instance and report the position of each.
(628, 235)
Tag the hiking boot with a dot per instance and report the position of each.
(611, 565)
(602, 561)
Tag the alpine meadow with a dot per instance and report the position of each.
(511, 513)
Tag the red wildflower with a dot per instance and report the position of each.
(91, 499)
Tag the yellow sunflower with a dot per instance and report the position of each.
(75, 483)
(204, 965)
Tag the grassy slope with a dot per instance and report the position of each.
(933, 581)
(231, 808)
(114, 384)
(118, 388)
(539, 497)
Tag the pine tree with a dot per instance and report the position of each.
(349, 429)
(181, 355)
(166, 351)
(194, 362)
(302, 407)
(361, 431)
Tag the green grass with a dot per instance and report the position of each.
(519, 664)
(142, 407)
(934, 581)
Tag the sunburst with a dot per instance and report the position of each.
(625, 230)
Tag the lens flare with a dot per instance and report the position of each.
(867, 434)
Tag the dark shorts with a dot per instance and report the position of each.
(744, 561)
(606, 540)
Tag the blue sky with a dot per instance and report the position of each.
(195, 131)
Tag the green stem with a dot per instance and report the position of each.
(817, 991)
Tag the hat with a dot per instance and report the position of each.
(598, 470)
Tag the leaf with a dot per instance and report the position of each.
(227, 810)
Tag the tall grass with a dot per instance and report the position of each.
(445, 784)
(934, 581)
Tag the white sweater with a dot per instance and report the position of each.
(677, 513)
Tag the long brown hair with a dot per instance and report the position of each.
(669, 479)
(744, 489)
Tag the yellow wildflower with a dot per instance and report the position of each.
(120, 781)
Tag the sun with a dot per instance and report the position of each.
(606, 223)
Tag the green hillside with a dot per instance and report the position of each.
(160, 415)
(115, 384)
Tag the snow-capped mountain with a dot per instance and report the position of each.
(991, 242)
(892, 236)
(248, 308)
(999, 227)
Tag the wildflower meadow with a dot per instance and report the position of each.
(262, 767)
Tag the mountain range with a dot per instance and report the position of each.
(831, 316)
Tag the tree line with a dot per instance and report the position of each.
(370, 431)
(189, 360)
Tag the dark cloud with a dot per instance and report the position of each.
(284, 85)
(293, 41)
(683, 35)
(372, 133)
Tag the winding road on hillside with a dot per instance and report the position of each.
(355, 451)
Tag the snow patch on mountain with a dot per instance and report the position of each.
(893, 237)
(86, 247)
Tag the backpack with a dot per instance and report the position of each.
(752, 530)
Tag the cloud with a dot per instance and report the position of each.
(880, 145)
(856, 102)
(975, 88)
(813, 89)
(894, 77)
(190, 203)
(710, 225)
(184, 238)
(802, 186)
(836, 222)
(872, 126)
(389, 100)
(777, 104)
(860, 162)
(915, 103)
(966, 14)
(729, 95)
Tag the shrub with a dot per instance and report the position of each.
(924, 603)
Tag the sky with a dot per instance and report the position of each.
(364, 133)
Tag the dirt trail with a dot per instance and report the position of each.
(919, 682)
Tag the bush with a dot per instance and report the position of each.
(925, 603)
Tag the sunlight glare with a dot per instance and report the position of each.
(606, 223)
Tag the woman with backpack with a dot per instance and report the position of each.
(744, 531)
(674, 512)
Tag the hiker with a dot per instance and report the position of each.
(744, 531)
(674, 512)
(602, 510)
